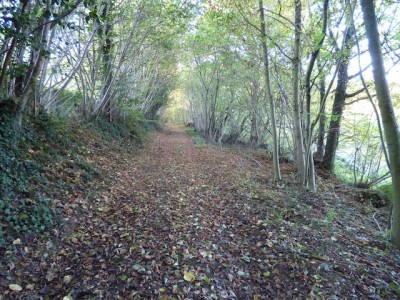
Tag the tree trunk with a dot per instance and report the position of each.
(213, 109)
(14, 41)
(19, 78)
(297, 122)
(39, 100)
(105, 35)
(390, 126)
(33, 75)
(275, 152)
(321, 126)
(4, 47)
(253, 131)
(310, 172)
(332, 139)
(7, 61)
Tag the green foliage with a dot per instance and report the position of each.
(335, 117)
(330, 215)
(54, 128)
(131, 127)
(360, 160)
(395, 287)
(28, 215)
(343, 171)
(30, 173)
(197, 138)
(387, 190)
(17, 171)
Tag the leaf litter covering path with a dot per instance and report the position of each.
(181, 222)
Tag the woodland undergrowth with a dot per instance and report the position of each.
(52, 164)
(182, 219)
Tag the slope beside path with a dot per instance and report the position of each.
(187, 222)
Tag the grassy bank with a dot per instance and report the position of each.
(53, 165)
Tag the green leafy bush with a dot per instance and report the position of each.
(28, 215)
(133, 126)
(55, 129)
(197, 138)
(25, 205)
(387, 190)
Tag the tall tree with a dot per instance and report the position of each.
(322, 119)
(332, 139)
(310, 172)
(297, 119)
(106, 43)
(391, 128)
(273, 127)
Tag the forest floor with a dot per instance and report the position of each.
(186, 221)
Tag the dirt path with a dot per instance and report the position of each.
(189, 219)
(182, 222)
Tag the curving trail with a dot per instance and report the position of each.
(187, 222)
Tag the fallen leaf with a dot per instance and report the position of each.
(15, 287)
(123, 277)
(189, 276)
(267, 274)
(67, 279)
(50, 275)
(317, 277)
(246, 258)
(103, 208)
(17, 242)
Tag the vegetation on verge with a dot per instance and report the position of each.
(53, 163)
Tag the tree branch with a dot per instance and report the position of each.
(355, 93)
(63, 15)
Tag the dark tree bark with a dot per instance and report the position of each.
(13, 45)
(332, 139)
(253, 131)
(321, 126)
(106, 49)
